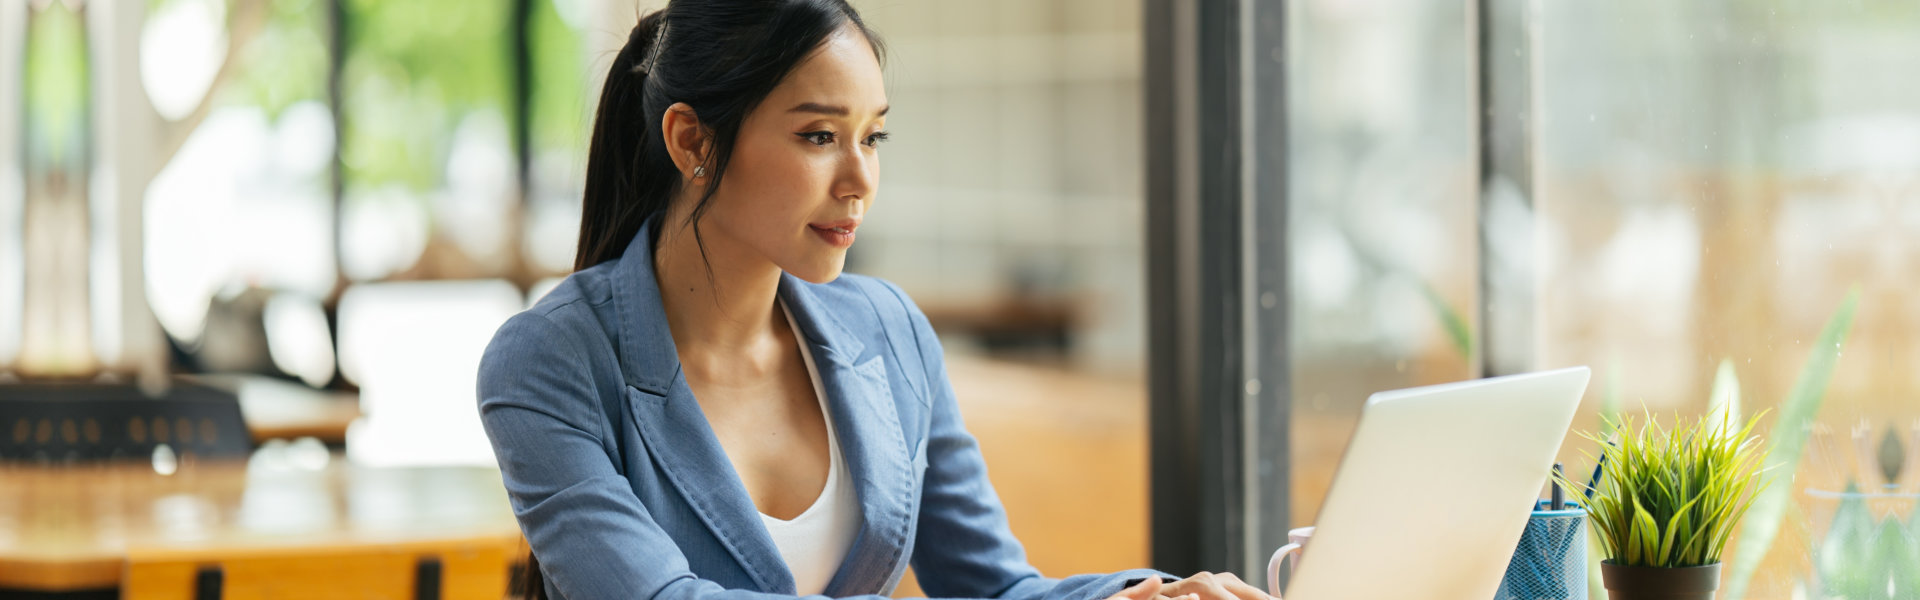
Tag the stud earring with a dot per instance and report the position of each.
(699, 172)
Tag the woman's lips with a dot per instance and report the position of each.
(838, 234)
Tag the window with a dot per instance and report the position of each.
(1716, 183)
(241, 196)
(1691, 195)
(428, 155)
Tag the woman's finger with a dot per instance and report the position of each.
(1148, 589)
(1241, 589)
(1203, 584)
(1216, 589)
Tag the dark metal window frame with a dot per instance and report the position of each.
(1218, 302)
(1217, 278)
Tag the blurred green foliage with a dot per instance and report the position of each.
(57, 91)
(559, 110)
(1867, 558)
(413, 70)
(286, 63)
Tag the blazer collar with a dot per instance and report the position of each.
(859, 396)
(648, 360)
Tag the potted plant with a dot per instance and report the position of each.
(1667, 501)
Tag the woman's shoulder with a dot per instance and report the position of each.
(565, 324)
(554, 358)
(581, 289)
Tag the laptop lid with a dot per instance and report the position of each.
(1436, 487)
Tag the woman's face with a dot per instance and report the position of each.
(806, 163)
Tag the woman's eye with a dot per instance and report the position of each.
(877, 137)
(818, 138)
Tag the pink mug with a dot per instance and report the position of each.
(1296, 543)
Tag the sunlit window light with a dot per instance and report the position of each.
(103, 265)
(476, 205)
(298, 338)
(12, 186)
(238, 205)
(414, 349)
(553, 231)
(383, 232)
(12, 276)
(181, 49)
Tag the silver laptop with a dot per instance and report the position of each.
(1435, 489)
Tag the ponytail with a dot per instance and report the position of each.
(629, 175)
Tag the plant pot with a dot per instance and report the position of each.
(1656, 583)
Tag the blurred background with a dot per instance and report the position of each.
(326, 207)
(250, 251)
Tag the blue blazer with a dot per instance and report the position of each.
(623, 491)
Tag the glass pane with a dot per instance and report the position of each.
(54, 227)
(431, 181)
(1715, 179)
(1381, 189)
(561, 115)
(13, 25)
(244, 201)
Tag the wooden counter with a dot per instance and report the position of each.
(81, 528)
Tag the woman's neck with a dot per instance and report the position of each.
(720, 305)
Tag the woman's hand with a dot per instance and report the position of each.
(1148, 589)
(1215, 586)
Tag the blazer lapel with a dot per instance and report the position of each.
(676, 431)
(861, 400)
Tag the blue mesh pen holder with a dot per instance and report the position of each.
(1551, 562)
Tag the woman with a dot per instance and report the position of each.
(707, 409)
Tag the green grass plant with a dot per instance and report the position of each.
(1671, 498)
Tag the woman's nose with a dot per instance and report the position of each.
(859, 175)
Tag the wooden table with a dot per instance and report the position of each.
(284, 518)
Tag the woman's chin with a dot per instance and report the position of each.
(822, 271)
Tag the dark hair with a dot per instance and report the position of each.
(720, 57)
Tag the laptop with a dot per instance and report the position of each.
(1435, 489)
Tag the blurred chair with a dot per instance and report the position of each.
(452, 570)
(67, 422)
(263, 331)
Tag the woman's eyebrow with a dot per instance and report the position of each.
(831, 109)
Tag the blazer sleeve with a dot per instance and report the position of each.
(964, 548)
(551, 435)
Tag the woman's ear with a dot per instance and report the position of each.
(688, 141)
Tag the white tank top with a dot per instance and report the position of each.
(816, 542)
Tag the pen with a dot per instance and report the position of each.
(1559, 496)
(1595, 480)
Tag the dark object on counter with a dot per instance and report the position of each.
(207, 583)
(78, 422)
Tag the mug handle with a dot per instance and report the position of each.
(1273, 567)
